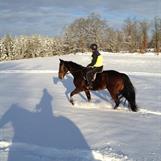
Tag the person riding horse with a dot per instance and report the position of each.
(96, 65)
(118, 84)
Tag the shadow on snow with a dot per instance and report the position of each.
(42, 128)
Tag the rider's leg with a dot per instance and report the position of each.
(95, 71)
(89, 76)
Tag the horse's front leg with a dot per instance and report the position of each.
(75, 91)
(88, 95)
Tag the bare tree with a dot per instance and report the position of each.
(144, 26)
(85, 31)
(130, 30)
(156, 38)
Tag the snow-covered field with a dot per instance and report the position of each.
(37, 122)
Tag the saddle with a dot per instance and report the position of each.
(90, 76)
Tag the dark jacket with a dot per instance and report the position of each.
(94, 58)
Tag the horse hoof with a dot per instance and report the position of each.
(115, 107)
(72, 102)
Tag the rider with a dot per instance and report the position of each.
(95, 66)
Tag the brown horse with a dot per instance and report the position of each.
(118, 84)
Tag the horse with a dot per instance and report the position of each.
(118, 84)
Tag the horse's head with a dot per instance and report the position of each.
(62, 69)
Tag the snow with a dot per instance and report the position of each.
(37, 122)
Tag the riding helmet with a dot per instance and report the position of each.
(93, 46)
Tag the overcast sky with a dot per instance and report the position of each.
(49, 17)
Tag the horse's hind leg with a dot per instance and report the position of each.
(88, 95)
(122, 99)
(75, 91)
(117, 102)
(116, 99)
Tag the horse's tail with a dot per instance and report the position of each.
(129, 93)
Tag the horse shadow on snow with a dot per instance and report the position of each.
(41, 128)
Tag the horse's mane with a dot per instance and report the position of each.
(75, 65)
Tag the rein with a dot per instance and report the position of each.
(76, 71)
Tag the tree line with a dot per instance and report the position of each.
(134, 36)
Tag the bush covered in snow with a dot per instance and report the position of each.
(30, 47)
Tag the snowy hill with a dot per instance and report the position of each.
(37, 122)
